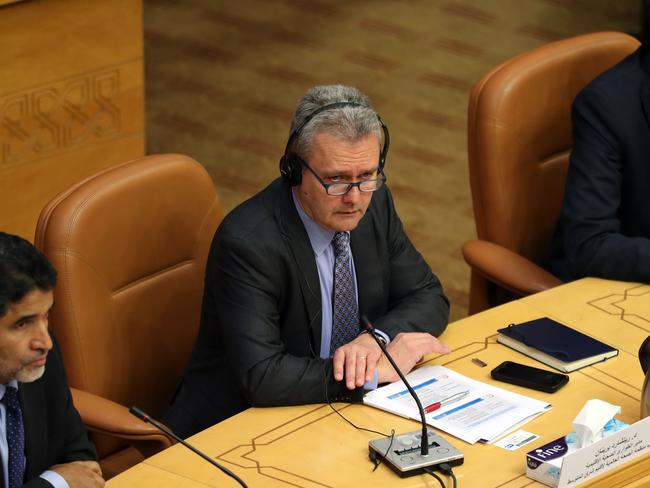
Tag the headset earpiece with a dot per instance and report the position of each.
(291, 169)
(386, 145)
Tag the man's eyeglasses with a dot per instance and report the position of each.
(338, 189)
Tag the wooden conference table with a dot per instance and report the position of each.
(310, 446)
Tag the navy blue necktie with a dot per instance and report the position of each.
(345, 314)
(15, 437)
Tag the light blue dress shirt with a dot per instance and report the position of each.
(321, 243)
(55, 479)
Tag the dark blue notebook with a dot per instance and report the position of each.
(555, 344)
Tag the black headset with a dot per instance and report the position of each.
(291, 163)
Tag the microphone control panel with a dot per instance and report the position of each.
(403, 452)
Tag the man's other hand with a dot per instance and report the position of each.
(407, 349)
(356, 361)
(80, 474)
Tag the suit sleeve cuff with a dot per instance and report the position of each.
(55, 479)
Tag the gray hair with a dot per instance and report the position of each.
(349, 122)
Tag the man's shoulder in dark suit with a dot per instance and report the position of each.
(607, 89)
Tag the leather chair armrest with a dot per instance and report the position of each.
(507, 269)
(110, 418)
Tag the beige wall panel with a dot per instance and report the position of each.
(71, 98)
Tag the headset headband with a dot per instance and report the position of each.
(291, 164)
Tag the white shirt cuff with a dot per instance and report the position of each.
(383, 335)
(55, 479)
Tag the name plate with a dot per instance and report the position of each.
(606, 454)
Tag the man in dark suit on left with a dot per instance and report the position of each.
(43, 442)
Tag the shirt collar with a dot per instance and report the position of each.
(13, 383)
(319, 237)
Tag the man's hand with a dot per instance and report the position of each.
(407, 349)
(80, 474)
(356, 361)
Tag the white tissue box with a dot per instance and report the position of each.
(550, 464)
(544, 464)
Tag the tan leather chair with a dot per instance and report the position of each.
(130, 245)
(519, 137)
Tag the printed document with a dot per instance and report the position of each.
(481, 412)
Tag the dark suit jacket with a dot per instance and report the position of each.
(261, 317)
(604, 227)
(54, 433)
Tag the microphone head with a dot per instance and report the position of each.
(139, 413)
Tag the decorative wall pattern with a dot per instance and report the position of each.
(59, 116)
(71, 99)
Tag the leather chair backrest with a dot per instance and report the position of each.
(130, 245)
(519, 137)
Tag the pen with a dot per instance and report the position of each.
(453, 398)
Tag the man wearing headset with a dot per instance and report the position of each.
(291, 270)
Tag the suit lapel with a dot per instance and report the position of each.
(297, 242)
(366, 265)
(645, 87)
(32, 403)
(645, 99)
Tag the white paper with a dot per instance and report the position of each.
(484, 414)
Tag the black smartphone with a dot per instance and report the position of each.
(535, 378)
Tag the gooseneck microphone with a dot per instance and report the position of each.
(424, 445)
(146, 418)
(403, 457)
